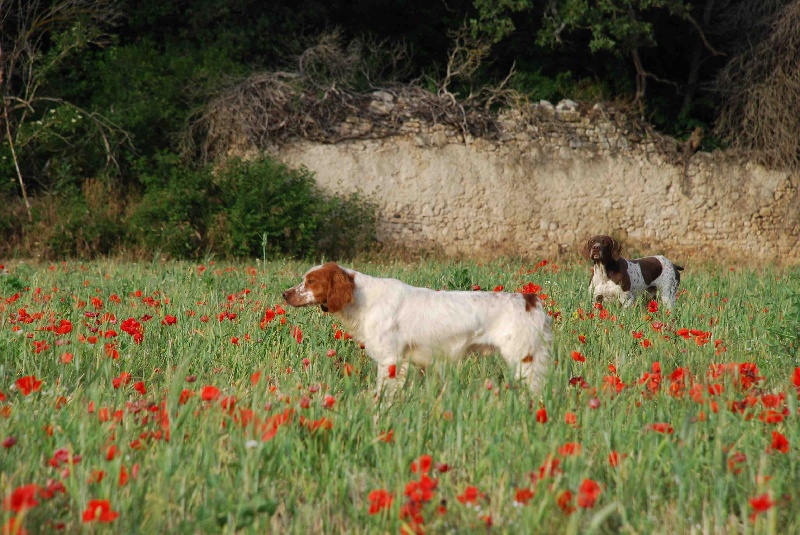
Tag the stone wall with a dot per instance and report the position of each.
(551, 177)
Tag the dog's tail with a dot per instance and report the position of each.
(678, 270)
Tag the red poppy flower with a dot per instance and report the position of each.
(422, 490)
(133, 328)
(541, 416)
(531, 288)
(523, 496)
(185, 395)
(28, 384)
(297, 334)
(392, 371)
(269, 315)
(52, 488)
(569, 449)
(470, 495)
(13, 527)
(209, 393)
(423, 465)
(111, 452)
(771, 417)
(576, 356)
(779, 443)
(123, 476)
(760, 504)
(652, 306)
(123, 379)
(22, 498)
(614, 459)
(99, 510)
(169, 320)
(379, 499)
(64, 327)
(588, 493)
(661, 427)
(564, 501)
(735, 460)
(549, 468)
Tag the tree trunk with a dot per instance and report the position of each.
(697, 60)
(641, 80)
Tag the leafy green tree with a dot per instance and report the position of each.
(618, 26)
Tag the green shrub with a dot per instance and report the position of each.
(83, 224)
(246, 209)
(347, 226)
(175, 210)
(267, 202)
(272, 209)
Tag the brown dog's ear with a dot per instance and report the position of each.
(587, 247)
(616, 249)
(341, 286)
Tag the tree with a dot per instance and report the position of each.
(618, 26)
(36, 36)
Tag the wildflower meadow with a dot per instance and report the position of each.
(187, 398)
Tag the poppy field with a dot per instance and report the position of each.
(187, 398)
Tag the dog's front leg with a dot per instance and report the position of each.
(627, 299)
(390, 378)
(390, 371)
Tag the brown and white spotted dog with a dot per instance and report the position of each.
(616, 277)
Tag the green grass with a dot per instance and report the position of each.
(216, 475)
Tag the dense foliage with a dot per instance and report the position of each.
(104, 90)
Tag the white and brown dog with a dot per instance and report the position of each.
(616, 277)
(399, 323)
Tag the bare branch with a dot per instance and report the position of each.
(702, 35)
(761, 91)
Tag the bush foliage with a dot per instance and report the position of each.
(246, 209)
(99, 97)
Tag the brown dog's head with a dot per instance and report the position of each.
(602, 249)
(328, 286)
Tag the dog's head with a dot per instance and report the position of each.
(328, 286)
(602, 248)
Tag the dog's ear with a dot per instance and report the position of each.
(341, 286)
(587, 249)
(616, 249)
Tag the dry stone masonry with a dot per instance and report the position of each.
(549, 177)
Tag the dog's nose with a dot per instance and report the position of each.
(286, 295)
